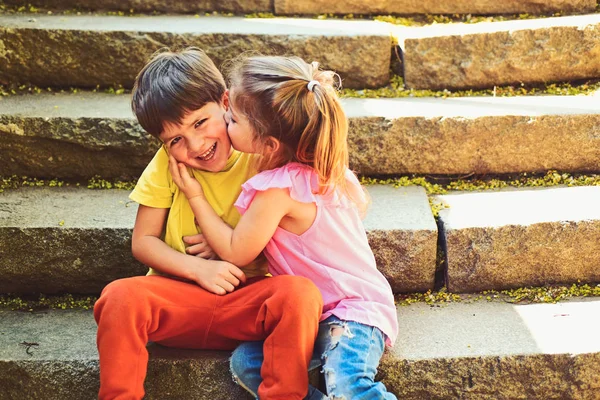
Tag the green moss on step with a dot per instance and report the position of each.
(397, 89)
(551, 178)
(545, 294)
(15, 182)
(43, 302)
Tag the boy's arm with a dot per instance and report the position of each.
(215, 276)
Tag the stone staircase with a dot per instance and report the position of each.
(76, 240)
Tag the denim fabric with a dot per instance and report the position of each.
(349, 353)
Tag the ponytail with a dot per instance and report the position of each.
(297, 104)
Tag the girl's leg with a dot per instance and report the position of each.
(246, 362)
(350, 361)
(133, 311)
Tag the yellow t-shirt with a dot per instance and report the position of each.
(156, 188)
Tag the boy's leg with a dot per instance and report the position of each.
(284, 311)
(132, 311)
(350, 361)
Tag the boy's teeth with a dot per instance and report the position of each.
(208, 152)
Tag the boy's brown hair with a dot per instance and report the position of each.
(172, 84)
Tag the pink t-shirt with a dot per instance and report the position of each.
(334, 252)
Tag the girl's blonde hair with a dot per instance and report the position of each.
(273, 93)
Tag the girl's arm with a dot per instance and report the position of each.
(215, 276)
(241, 245)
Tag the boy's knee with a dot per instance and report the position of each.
(117, 295)
(298, 285)
(299, 292)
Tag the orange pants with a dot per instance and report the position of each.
(284, 311)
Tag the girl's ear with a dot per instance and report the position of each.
(225, 99)
(272, 145)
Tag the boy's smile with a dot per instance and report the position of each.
(200, 141)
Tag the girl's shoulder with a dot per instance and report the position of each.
(300, 179)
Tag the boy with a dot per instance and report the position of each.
(181, 98)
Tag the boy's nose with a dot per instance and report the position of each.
(196, 145)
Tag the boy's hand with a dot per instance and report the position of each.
(219, 277)
(198, 246)
(186, 183)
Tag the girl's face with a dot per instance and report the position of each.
(240, 131)
(201, 140)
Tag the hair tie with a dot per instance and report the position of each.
(311, 85)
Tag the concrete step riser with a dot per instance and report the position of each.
(88, 51)
(77, 240)
(93, 245)
(56, 138)
(509, 239)
(322, 6)
(433, 6)
(563, 376)
(482, 350)
(511, 53)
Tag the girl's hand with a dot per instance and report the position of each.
(198, 246)
(186, 183)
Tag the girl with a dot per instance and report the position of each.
(304, 209)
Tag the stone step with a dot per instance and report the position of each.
(324, 7)
(179, 6)
(526, 237)
(433, 7)
(483, 350)
(90, 50)
(77, 240)
(499, 53)
(77, 136)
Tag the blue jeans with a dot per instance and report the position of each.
(348, 351)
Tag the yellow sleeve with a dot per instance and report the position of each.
(155, 188)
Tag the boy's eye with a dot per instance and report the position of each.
(197, 124)
(174, 141)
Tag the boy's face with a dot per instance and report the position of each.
(201, 140)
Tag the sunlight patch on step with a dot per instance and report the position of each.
(563, 328)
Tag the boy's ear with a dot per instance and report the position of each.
(225, 99)
(272, 145)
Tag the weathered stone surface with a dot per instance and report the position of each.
(86, 51)
(500, 53)
(73, 136)
(92, 247)
(495, 350)
(474, 135)
(516, 238)
(74, 149)
(168, 6)
(403, 235)
(479, 350)
(64, 365)
(432, 6)
(77, 136)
